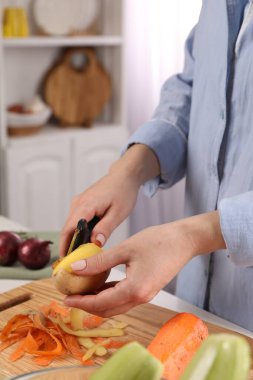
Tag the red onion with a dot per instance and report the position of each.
(9, 244)
(34, 253)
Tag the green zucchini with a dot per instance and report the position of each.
(131, 362)
(220, 357)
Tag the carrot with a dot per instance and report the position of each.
(93, 321)
(55, 349)
(88, 362)
(40, 337)
(176, 343)
(111, 344)
(74, 347)
(114, 344)
(45, 309)
(44, 324)
(61, 335)
(59, 309)
(19, 352)
(44, 360)
(22, 330)
(53, 309)
(30, 343)
(99, 339)
(9, 342)
(14, 323)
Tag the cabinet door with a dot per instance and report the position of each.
(38, 192)
(92, 159)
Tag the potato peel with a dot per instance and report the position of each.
(90, 333)
(93, 349)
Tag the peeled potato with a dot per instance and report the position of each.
(68, 282)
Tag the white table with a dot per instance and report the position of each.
(163, 298)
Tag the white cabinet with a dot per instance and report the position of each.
(94, 155)
(43, 176)
(38, 185)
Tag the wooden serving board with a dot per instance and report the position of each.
(143, 323)
(77, 96)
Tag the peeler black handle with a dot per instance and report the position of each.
(82, 233)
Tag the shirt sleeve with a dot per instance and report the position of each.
(167, 132)
(236, 218)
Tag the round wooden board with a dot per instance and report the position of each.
(77, 96)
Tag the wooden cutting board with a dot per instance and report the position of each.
(143, 323)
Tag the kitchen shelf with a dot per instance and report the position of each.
(105, 40)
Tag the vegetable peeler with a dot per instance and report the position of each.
(82, 233)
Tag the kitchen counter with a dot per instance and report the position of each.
(162, 299)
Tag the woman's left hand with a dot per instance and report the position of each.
(153, 257)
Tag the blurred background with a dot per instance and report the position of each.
(76, 78)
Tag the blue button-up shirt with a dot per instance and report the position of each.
(203, 129)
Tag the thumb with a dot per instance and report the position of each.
(99, 263)
(105, 227)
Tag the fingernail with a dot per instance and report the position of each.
(100, 240)
(79, 265)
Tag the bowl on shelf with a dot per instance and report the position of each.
(24, 123)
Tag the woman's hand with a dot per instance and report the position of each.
(152, 258)
(113, 197)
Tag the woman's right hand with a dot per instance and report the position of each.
(113, 197)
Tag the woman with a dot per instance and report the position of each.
(202, 129)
